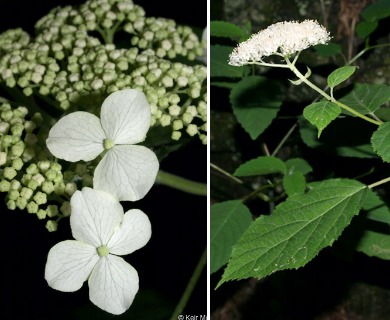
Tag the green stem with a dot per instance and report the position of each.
(375, 184)
(182, 184)
(294, 69)
(190, 286)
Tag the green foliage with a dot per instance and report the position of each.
(294, 183)
(260, 166)
(340, 75)
(366, 98)
(228, 221)
(219, 55)
(226, 29)
(256, 101)
(380, 141)
(327, 50)
(371, 15)
(296, 230)
(320, 114)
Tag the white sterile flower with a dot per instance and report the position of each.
(127, 171)
(102, 232)
(283, 38)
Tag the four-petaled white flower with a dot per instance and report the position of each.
(102, 231)
(127, 171)
(283, 38)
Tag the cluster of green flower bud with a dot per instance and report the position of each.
(31, 181)
(70, 68)
(107, 17)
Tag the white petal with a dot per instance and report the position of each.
(69, 264)
(128, 172)
(77, 136)
(126, 116)
(113, 284)
(133, 233)
(95, 214)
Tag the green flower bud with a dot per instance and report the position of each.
(66, 209)
(21, 203)
(5, 186)
(48, 187)
(11, 204)
(26, 193)
(192, 129)
(9, 173)
(51, 225)
(40, 198)
(32, 207)
(176, 135)
(41, 214)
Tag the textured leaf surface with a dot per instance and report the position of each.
(321, 113)
(226, 29)
(219, 67)
(381, 141)
(345, 137)
(376, 208)
(294, 183)
(366, 98)
(340, 75)
(365, 28)
(256, 101)
(228, 221)
(296, 231)
(261, 165)
(375, 244)
(298, 164)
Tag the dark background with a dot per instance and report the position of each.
(179, 220)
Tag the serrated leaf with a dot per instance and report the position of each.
(298, 164)
(376, 209)
(219, 67)
(340, 75)
(380, 141)
(228, 221)
(378, 10)
(366, 98)
(321, 113)
(365, 28)
(256, 101)
(328, 50)
(294, 183)
(375, 244)
(296, 231)
(346, 137)
(226, 29)
(261, 165)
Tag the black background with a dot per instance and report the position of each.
(179, 220)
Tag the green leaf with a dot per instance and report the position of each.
(260, 166)
(380, 141)
(327, 50)
(340, 75)
(321, 113)
(222, 84)
(346, 137)
(296, 231)
(376, 209)
(298, 164)
(378, 10)
(219, 67)
(256, 101)
(228, 221)
(375, 244)
(294, 183)
(227, 30)
(365, 28)
(366, 98)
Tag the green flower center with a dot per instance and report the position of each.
(108, 144)
(103, 251)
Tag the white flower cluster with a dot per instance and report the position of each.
(283, 38)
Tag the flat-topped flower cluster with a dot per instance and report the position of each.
(282, 38)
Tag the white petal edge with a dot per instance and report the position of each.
(69, 264)
(113, 284)
(127, 171)
(133, 233)
(77, 136)
(126, 116)
(95, 214)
